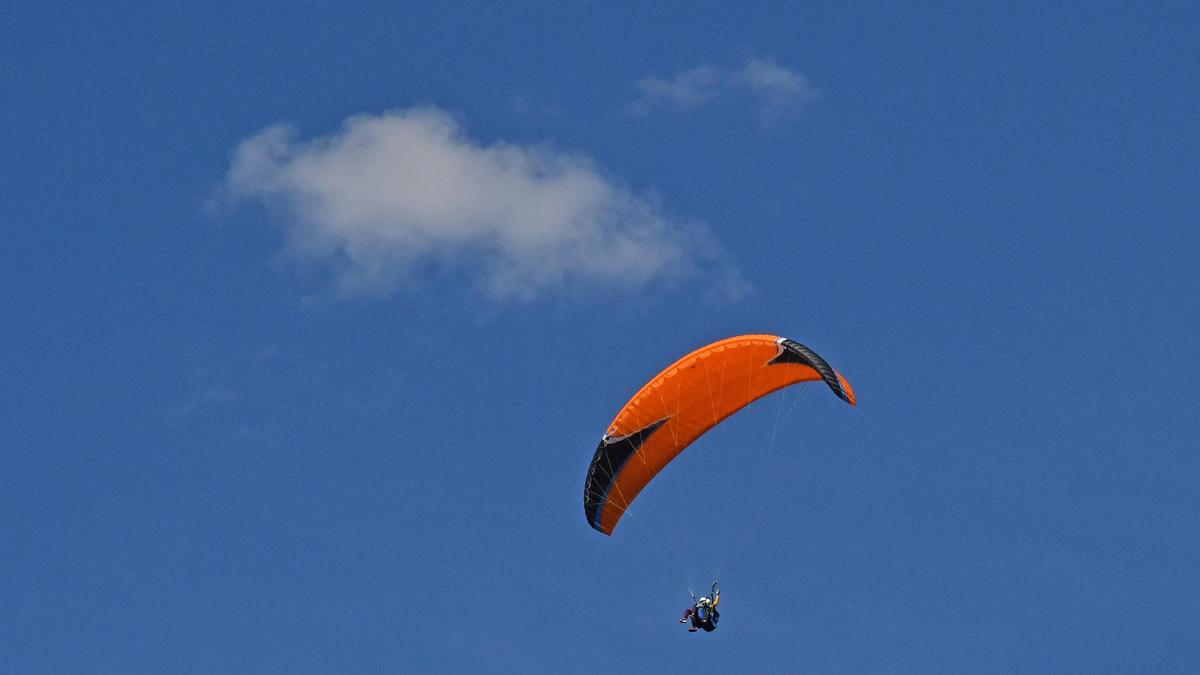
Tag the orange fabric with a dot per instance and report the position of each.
(695, 394)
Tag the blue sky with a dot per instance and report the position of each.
(311, 317)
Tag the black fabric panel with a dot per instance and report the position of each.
(606, 465)
(794, 352)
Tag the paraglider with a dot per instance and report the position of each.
(703, 613)
(676, 407)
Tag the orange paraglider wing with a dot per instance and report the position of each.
(690, 397)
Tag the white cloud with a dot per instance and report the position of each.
(389, 196)
(775, 89)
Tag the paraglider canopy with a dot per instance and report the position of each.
(685, 400)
